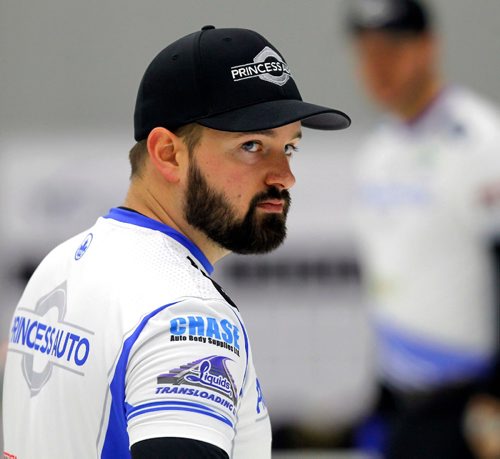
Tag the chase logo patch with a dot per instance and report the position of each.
(268, 65)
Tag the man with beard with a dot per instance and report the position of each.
(122, 345)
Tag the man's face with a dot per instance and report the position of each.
(393, 67)
(237, 188)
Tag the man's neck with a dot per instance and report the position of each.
(420, 101)
(145, 201)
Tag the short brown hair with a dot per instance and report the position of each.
(189, 133)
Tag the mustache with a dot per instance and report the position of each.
(272, 193)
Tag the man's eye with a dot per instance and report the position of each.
(290, 149)
(251, 146)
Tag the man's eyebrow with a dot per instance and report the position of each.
(266, 132)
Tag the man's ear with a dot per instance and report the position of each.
(164, 149)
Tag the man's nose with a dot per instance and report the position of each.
(280, 174)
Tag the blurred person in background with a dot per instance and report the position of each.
(426, 212)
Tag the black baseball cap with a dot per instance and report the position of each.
(224, 79)
(397, 16)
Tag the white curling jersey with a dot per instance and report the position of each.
(428, 199)
(121, 336)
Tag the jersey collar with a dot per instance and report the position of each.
(430, 114)
(135, 218)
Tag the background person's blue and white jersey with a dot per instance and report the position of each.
(121, 336)
(428, 201)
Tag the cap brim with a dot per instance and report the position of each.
(276, 113)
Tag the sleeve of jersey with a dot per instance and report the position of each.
(478, 189)
(185, 373)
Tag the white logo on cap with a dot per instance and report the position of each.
(375, 12)
(267, 65)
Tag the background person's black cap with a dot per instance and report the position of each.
(398, 16)
(225, 79)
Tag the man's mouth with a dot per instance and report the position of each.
(272, 205)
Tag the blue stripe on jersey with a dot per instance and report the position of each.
(116, 442)
(179, 406)
(134, 218)
(193, 410)
(419, 359)
(132, 409)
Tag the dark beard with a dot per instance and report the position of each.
(210, 212)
